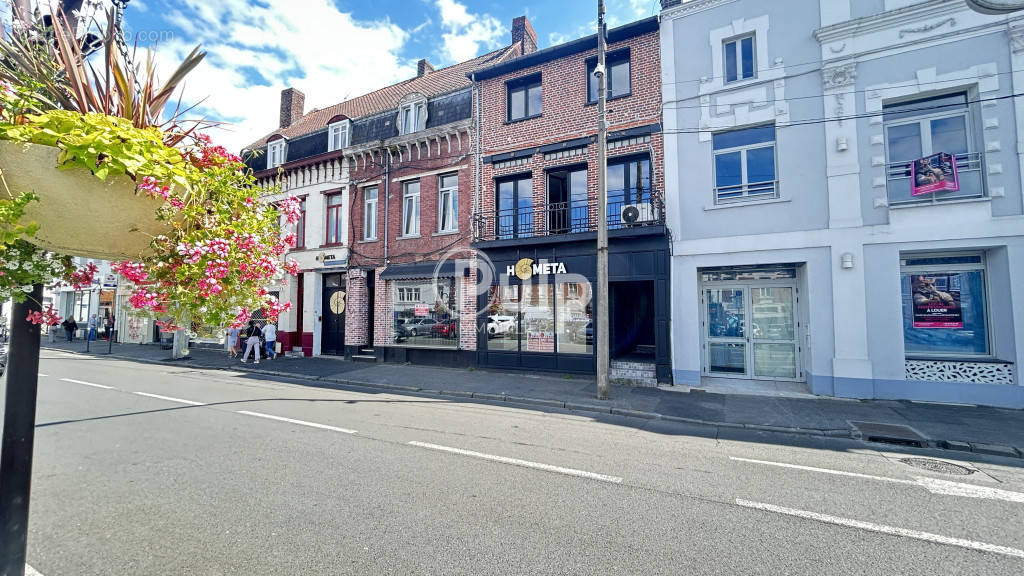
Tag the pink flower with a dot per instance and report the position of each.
(82, 278)
(292, 267)
(132, 271)
(290, 239)
(291, 207)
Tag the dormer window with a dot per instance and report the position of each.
(412, 117)
(275, 153)
(338, 135)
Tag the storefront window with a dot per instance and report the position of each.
(538, 320)
(574, 324)
(426, 313)
(944, 305)
(503, 319)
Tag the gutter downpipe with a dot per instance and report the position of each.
(477, 167)
(387, 198)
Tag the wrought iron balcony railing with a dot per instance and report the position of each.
(631, 208)
(969, 167)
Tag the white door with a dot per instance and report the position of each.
(751, 331)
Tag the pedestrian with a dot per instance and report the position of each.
(233, 334)
(108, 325)
(270, 337)
(252, 342)
(51, 332)
(70, 326)
(92, 324)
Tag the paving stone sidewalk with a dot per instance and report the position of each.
(986, 430)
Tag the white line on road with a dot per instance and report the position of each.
(30, 571)
(883, 529)
(293, 421)
(524, 463)
(87, 383)
(44, 376)
(170, 399)
(933, 485)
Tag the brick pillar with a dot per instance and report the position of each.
(384, 315)
(467, 309)
(356, 301)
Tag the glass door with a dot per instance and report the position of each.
(773, 331)
(726, 323)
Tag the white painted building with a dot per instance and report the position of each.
(802, 258)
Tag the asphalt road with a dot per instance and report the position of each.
(148, 469)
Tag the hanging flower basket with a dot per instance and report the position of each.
(78, 213)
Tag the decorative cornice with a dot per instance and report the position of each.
(839, 76)
(928, 27)
(684, 9)
(891, 18)
(1016, 32)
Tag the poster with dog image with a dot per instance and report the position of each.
(937, 301)
(935, 173)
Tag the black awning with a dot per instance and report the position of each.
(419, 270)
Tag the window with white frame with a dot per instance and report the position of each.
(412, 117)
(370, 213)
(945, 306)
(411, 208)
(745, 164)
(408, 294)
(275, 154)
(739, 57)
(337, 135)
(922, 127)
(448, 203)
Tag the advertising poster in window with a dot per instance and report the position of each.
(540, 341)
(421, 310)
(937, 301)
(935, 173)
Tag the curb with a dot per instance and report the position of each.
(840, 433)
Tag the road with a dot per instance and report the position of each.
(149, 469)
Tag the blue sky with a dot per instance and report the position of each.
(336, 49)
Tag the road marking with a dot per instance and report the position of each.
(170, 399)
(30, 571)
(524, 463)
(44, 376)
(933, 485)
(293, 421)
(883, 529)
(87, 383)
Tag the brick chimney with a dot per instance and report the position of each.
(423, 67)
(523, 35)
(293, 104)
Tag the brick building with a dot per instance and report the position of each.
(537, 208)
(387, 183)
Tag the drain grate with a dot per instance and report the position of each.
(890, 433)
(938, 466)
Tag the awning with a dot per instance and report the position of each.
(419, 270)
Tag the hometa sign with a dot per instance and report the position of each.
(525, 268)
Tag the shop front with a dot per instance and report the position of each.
(539, 310)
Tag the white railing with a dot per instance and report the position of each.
(969, 168)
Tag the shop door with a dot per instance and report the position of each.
(751, 332)
(333, 337)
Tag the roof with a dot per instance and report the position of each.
(498, 68)
(439, 82)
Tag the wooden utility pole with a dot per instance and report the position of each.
(601, 308)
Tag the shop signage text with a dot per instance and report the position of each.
(526, 268)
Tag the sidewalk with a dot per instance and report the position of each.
(984, 430)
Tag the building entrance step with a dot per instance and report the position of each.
(364, 358)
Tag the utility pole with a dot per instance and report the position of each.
(601, 340)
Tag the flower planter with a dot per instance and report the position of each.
(79, 214)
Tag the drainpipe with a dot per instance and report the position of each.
(387, 198)
(476, 172)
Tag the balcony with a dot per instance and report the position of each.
(970, 168)
(644, 208)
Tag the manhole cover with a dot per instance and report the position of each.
(937, 466)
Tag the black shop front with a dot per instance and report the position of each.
(539, 311)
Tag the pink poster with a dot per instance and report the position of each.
(935, 173)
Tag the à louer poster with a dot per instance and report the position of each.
(937, 301)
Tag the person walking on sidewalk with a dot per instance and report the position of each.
(252, 342)
(270, 335)
(92, 324)
(233, 334)
(70, 326)
(108, 325)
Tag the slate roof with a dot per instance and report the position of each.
(436, 83)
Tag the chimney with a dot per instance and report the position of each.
(293, 103)
(423, 67)
(523, 35)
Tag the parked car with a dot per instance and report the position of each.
(446, 329)
(584, 334)
(401, 334)
(500, 325)
(3, 358)
(418, 326)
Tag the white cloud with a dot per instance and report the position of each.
(256, 50)
(465, 33)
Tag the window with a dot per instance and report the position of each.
(568, 208)
(524, 98)
(618, 82)
(335, 226)
(944, 305)
(573, 323)
(370, 213)
(426, 313)
(413, 117)
(300, 225)
(337, 135)
(538, 322)
(745, 164)
(515, 208)
(503, 318)
(740, 63)
(411, 208)
(448, 203)
(275, 154)
(923, 127)
(629, 182)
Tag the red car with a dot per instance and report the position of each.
(447, 329)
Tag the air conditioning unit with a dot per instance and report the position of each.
(639, 214)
